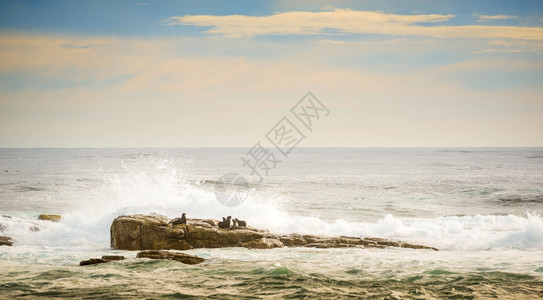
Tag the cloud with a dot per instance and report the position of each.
(513, 46)
(328, 7)
(502, 43)
(178, 99)
(297, 22)
(494, 17)
(349, 21)
(54, 54)
(70, 46)
(495, 50)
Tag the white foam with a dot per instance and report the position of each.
(90, 226)
(478, 232)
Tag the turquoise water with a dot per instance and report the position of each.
(481, 207)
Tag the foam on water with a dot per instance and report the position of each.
(164, 192)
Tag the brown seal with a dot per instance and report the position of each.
(182, 220)
(240, 223)
(225, 223)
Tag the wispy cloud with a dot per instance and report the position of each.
(70, 46)
(299, 22)
(495, 50)
(516, 46)
(350, 21)
(494, 17)
(22, 52)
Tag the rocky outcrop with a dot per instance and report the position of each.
(263, 243)
(295, 240)
(155, 232)
(92, 261)
(104, 259)
(6, 241)
(172, 255)
(141, 232)
(52, 218)
(112, 257)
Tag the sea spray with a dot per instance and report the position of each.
(479, 232)
(146, 184)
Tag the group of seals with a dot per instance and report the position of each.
(231, 224)
(225, 223)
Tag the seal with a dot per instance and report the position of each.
(182, 220)
(240, 223)
(225, 223)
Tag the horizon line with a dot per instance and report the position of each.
(306, 147)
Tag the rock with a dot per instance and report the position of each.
(346, 242)
(52, 218)
(93, 261)
(414, 246)
(293, 240)
(211, 222)
(155, 232)
(141, 232)
(202, 224)
(112, 257)
(202, 237)
(6, 241)
(263, 243)
(104, 259)
(177, 256)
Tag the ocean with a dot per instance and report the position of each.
(481, 207)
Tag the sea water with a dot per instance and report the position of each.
(480, 206)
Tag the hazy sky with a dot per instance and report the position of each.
(223, 73)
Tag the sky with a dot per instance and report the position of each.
(224, 73)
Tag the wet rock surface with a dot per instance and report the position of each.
(5, 241)
(52, 218)
(171, 255)
(92, 261)
(104, 259)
